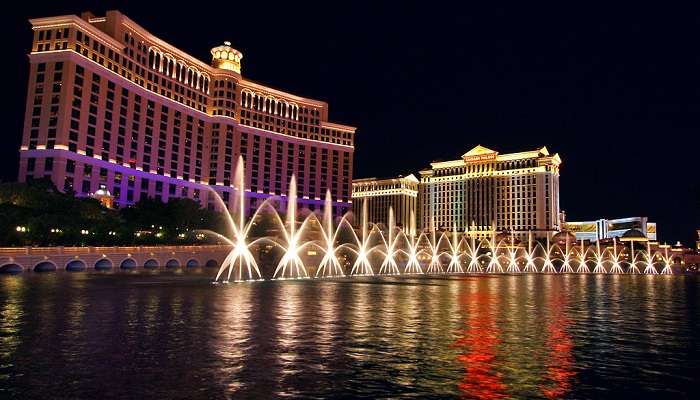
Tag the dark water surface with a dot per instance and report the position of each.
(104, 336)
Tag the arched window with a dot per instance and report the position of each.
(156, 65)
(190, 77)
(151, 58)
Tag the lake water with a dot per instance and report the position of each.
(167, 335)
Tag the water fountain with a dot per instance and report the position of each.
(582, 265)
(240, 259)
(362, 266)
(616, 267)
(413, 266)
(650, 269)
(599, 258)
(568, 253)
(434, 267)
(389, 266)
(548, 267)
(292, 239)
(494, 266)
(530, 256)
(330, 265)
(455, 266)
(512, 256)
(291, 265)
(473, 255)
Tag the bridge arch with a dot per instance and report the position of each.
(45, 266)
(211, 263)
(128, 263)
(104, 263)
(76, 265)
(11, 268)
(172, 263)
(192, 263)
(151, 264)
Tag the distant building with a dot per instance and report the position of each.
(400, 193)
(697, 244)
(485, 191)
(610, 228)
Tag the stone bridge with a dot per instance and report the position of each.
(44, 259)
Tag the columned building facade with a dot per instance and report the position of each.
(485, 192)
(378, 195)
(111, 105)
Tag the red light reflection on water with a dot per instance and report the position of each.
(560, 361)
(480, 342)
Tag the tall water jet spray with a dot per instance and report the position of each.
(330, 265)
(240, 259)
(389, 265)
(362, 266)
(473, 253)
(494, 266)
(530, 262)
(412, 266)
(582, 266)
(454, 266)
(434, 266)
(512, 256)
(633, 260)
(599, 267)
(566, 266)
(616, 267)
(667, 263)
(291, 265)
(650, 269)
(548, 267)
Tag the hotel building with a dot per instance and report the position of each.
(610, 228)
(111, 106)
(400, 193)
(485, 191)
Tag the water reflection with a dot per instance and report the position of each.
(489, 337)
(480, 345)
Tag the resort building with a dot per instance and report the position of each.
(610, 228)
(109, 105)
(485, 191)
(400, 193)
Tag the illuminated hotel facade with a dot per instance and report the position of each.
(485, 192)
(110, 105)
(400, 193)
(610, 228)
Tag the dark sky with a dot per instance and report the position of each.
(614, 90)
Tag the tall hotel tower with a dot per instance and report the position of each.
(112, 107)
(485, 192)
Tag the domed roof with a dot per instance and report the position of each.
(563, 237)
(633, 235)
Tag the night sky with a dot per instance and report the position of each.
(615, 91)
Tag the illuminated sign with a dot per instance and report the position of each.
(480, 158)
(581, 227)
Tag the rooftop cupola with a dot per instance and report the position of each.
(226, 57)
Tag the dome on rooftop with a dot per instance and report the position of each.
(634, 235)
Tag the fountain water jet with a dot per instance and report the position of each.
(389, 266)
(362, 266)
(330, 265)
(582, 266)
(548, 267)
(291, 265)
(454, 266)
(240, 259)
(412, 266)
(599, 267)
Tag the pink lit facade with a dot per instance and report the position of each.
(110, 104)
